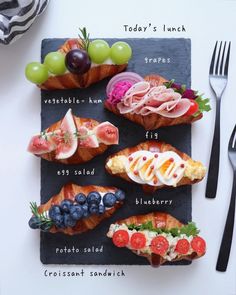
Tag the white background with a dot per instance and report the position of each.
(21, 269)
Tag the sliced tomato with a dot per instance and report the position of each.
(182, 246)
(138, 241)
(159, 245)
(120, 238)
(198, 245)
(193, 108)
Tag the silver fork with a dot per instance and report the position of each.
(226, 241)
(218, 76)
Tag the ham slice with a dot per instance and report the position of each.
(143, 99)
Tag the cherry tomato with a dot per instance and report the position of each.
(193, 108)
(159, 245)
(120, 238)
(138, 241)
(182, 246)
(198, 245)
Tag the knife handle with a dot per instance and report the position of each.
(226, 241)
(213, 171)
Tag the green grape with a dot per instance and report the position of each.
(36, 72)
(55, 61)
(120, 52)
(98, 51)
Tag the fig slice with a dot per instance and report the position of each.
(68, 145)
(107, 133)
(44, 143)
(90, 141)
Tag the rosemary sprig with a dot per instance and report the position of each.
(84, 38)
(44, 222)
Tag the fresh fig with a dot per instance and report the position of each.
(89, 142)
(69, 143)
(40, 145)
(107, 133)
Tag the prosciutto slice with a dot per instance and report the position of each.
(143, 99)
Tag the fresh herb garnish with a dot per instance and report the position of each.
(189, 229)
(203, 103)
(43, 219)
(84, 38)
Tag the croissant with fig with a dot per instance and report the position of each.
(74, 140)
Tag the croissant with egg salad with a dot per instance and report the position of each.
(155, 165)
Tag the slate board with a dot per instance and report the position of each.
(179, 68)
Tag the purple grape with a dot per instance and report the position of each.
(77, 61)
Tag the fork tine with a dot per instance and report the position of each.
(232, 141)
(218, 59)
(222, 60)
(227, 61)
(213, 59)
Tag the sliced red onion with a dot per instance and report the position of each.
(125, 76)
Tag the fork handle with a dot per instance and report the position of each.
(213, 171)
(226, 241)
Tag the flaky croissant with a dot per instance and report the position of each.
(152, 121)
(149, 155)
(70, 80)
(167, 228)
(51, 215)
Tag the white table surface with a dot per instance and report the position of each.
(20, 268)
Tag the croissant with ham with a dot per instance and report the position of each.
(154, 101)
(74, 140)
(76, 209)
(154, 165)
(159, 237)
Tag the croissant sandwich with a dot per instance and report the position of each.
(74, 140)
(76, 209)
(78, 63)
(153, 101)
(159, 237)
(155, 165)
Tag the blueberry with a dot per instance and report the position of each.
(34, 222)
(54, 210)
(76, 212)
(120, 195)
(80, 198)
(58, 220)
(69, 221)
(101, 209)
(109, 200)
(85, 210)
(93, 208)
(94, 198)
(65, 205)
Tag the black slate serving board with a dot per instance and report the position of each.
(63, 249)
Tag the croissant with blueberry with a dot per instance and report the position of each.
(76, 209)
(74, 140)
(153, 101)
(159, 237)
(154, 165)
(78, 63)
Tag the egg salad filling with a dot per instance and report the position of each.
(169, 244)
(156, 169)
